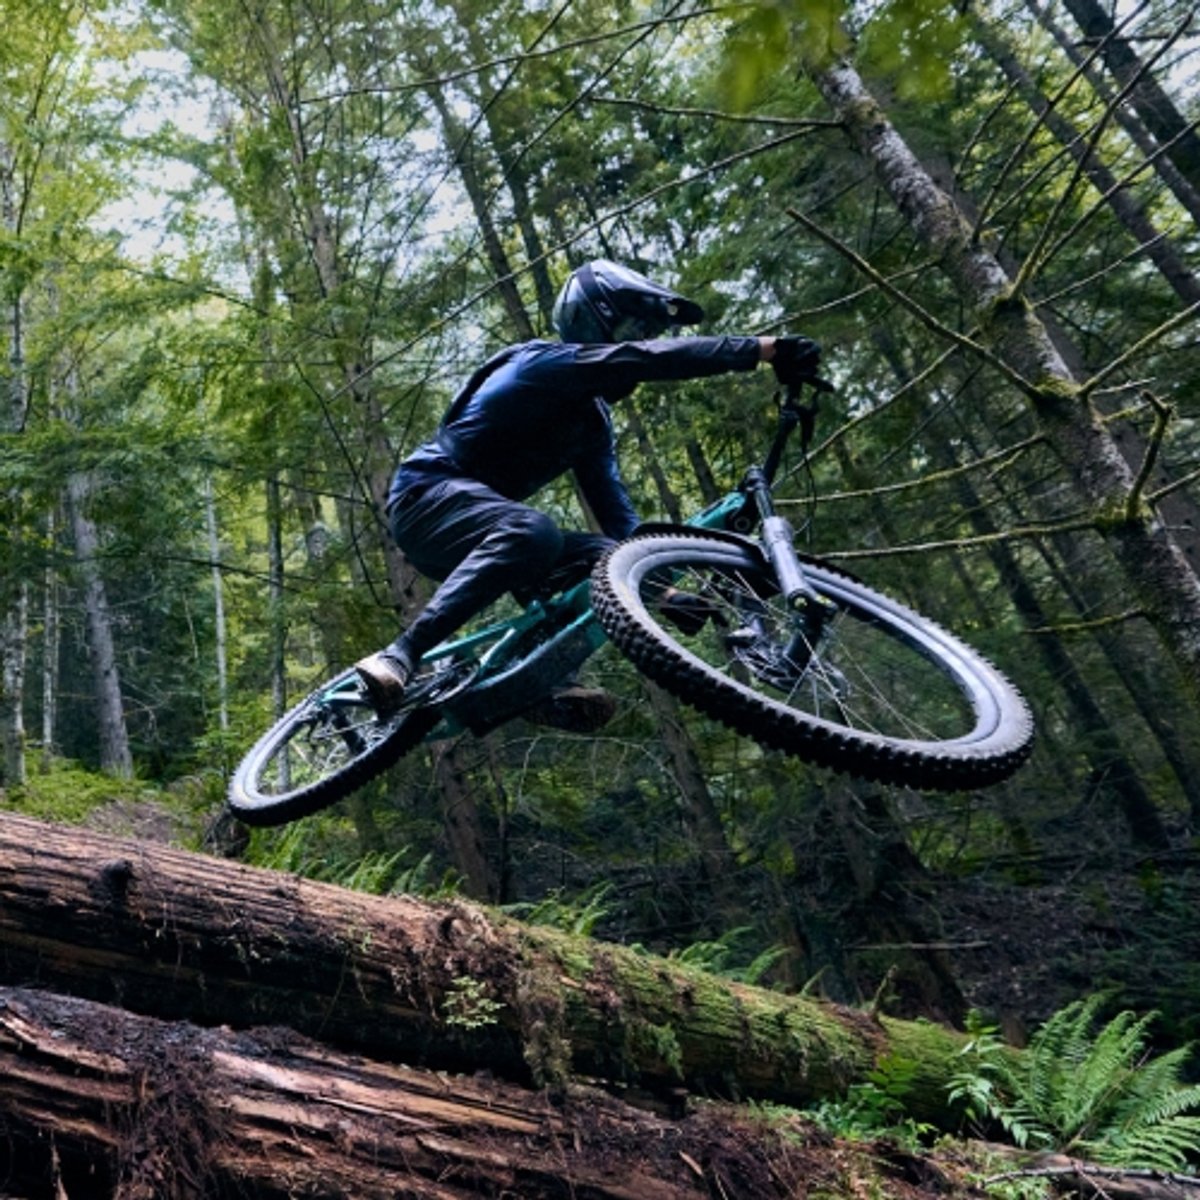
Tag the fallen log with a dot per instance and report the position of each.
(95, 1101)
(183, 936)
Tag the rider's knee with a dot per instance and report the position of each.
(539, 538)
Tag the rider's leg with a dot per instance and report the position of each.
(580, 553)
(481, 545)
(571, 705)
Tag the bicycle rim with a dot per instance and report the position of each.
(333, 742)
(877, 691)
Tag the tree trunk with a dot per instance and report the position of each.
(459, 142)
(14, 630)
(115, 756)
(447, 985)
(1178, 509)
(14, 598)
(461, 819)
(96, 1101)
(51, 639)
(1159, 574)
(1133, 216)
(1166, 170)
(1175, 135)
(1102, 744)
(214, 557)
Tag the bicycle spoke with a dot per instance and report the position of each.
(852, 674)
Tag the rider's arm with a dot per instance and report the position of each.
(600, 482)
(619, 366)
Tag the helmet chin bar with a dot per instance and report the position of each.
(636, 329)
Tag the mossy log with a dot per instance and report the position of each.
(95, 1101)
(448, 985)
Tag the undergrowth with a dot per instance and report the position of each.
(1087, 1092)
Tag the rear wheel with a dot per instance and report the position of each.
(332, 742)
(859, 683)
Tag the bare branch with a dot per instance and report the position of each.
(1020, 150)
(1175, 485)
(1082, 285)
(1155, 335)
(1162, 418)
(926, 318)
(1036, 259)
(1001, 459)
(512, 60)
(1018, 534)
(713, 114)
(1090, 1171)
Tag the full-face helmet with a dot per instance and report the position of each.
(603, 301)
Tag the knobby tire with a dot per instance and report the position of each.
(326, 747)
(883, 693)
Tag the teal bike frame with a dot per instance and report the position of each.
(505, 679)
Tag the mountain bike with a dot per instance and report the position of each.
(791, 651)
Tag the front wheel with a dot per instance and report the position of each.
(858, 683)
(333, 742)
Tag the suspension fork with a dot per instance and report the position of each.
(778, 539)
(778, 536)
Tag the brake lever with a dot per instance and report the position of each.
(806, 413)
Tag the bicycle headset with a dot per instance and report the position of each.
(603, 301)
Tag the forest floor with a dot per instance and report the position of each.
(1027, 949)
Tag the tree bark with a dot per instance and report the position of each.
(447, 985)
(96, 1101)
(115, 755)
(1159, 573)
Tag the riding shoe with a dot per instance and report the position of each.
(384, 676)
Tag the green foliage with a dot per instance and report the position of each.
(467, 1005)
(321, 848)
(876, 1107)
(773, 40)
(578, 916)
(915, 43)
(715, 957)
(1081, 1091)
(65, 791)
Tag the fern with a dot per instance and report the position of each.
(578, 916)
(715, 957)
(1086, 1092)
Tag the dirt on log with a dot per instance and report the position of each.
(98, 1102)
(452, 986)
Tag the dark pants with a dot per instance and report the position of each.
(481, 545)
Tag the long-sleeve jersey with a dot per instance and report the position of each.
(540, 409)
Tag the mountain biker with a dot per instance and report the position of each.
(527, 416)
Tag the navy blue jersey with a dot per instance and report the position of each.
(540, 409)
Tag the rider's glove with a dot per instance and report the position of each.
(686, 611)
(796, 360)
